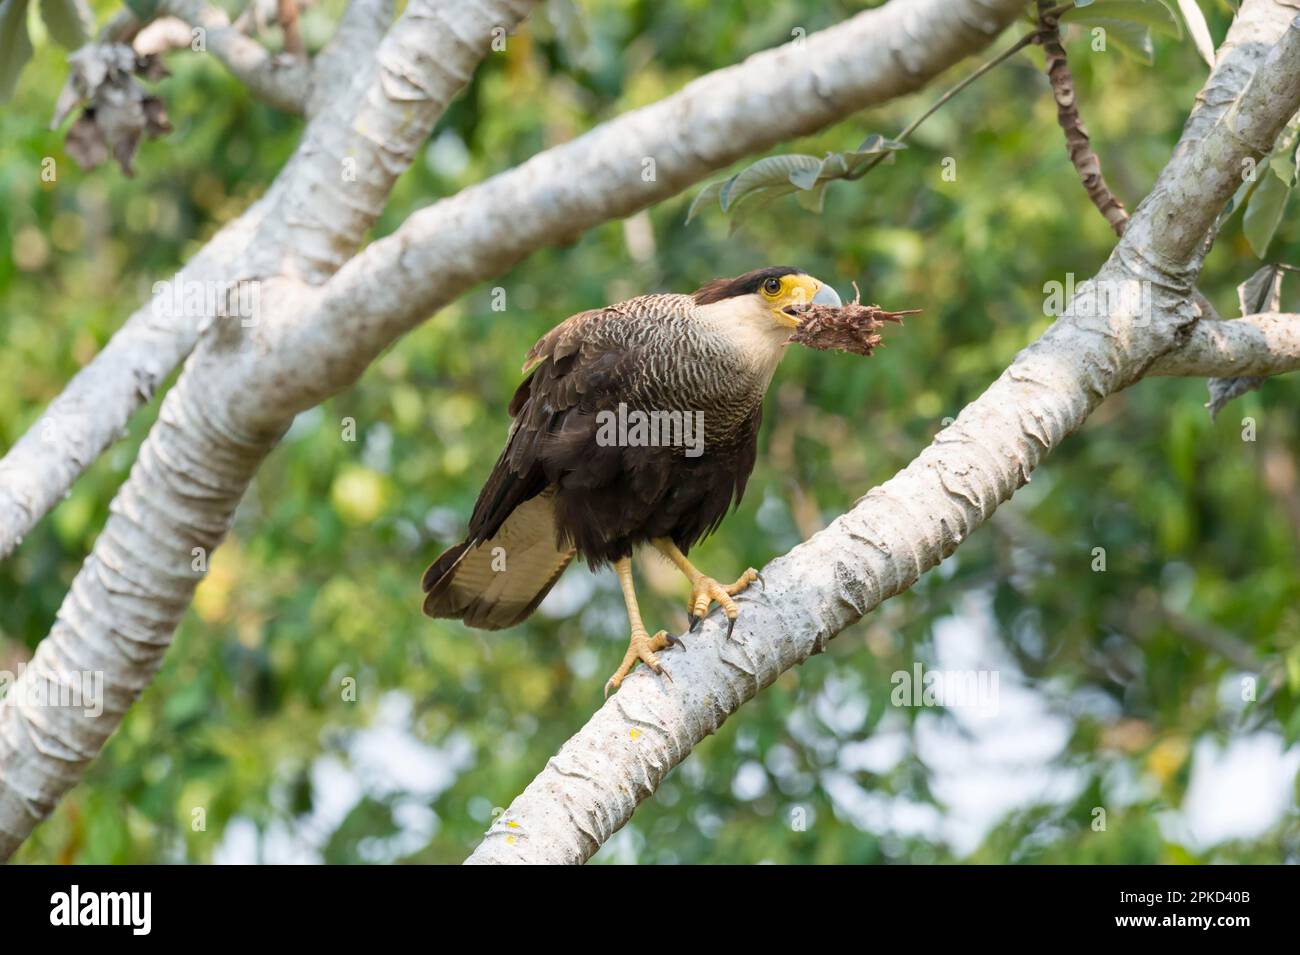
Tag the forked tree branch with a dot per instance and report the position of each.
(1257, 345)
(380, 108)
(1088, 165)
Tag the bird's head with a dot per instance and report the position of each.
(766, 297)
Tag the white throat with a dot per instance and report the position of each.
(748, 323)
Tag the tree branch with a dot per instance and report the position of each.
(371, 133)
(1257, 345)
(360, 31)
(281, 81)
(93, 410)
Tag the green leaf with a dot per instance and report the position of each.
(875, 143)
(1264, 209)
(813, 198)
(1153, 14)
(778, 176)
(15, 45)
(70, 22)
(755, 200)
(1131, 39)
(845, 164)
(1128, 24)
(773, 171)
(709, 193)
(807, 177)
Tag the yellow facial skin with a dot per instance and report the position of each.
(790, 290)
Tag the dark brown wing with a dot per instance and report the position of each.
(570, 370)
(513, 517)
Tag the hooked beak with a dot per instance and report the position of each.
(827, 296)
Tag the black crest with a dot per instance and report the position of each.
(746, 284)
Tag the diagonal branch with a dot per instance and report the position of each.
(92, 410)
(372, 132)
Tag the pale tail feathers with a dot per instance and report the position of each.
(501, 581)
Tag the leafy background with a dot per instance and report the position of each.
(1119, 689)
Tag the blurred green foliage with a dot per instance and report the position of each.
(308, 711)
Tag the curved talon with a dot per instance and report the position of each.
(762, 584)
(641, 648)
(742, 583)
(675, 642)
(706, 591)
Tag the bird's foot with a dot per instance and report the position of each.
(706, 591)
(642, 647)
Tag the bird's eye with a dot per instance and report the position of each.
(772, 286)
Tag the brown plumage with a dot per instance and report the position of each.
(561, 488)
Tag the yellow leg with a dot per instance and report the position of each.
(705, 590)
(642, 646)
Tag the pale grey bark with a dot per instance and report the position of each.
(280, 80)
(371, 132)
(265, 243)
(913, 521)
(1257, 345)
(92, 411)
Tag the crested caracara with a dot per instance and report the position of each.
(637, 424)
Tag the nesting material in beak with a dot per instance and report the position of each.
(851, 328)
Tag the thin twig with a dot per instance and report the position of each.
(911, 127)
(287, 14)
(1077, 142)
